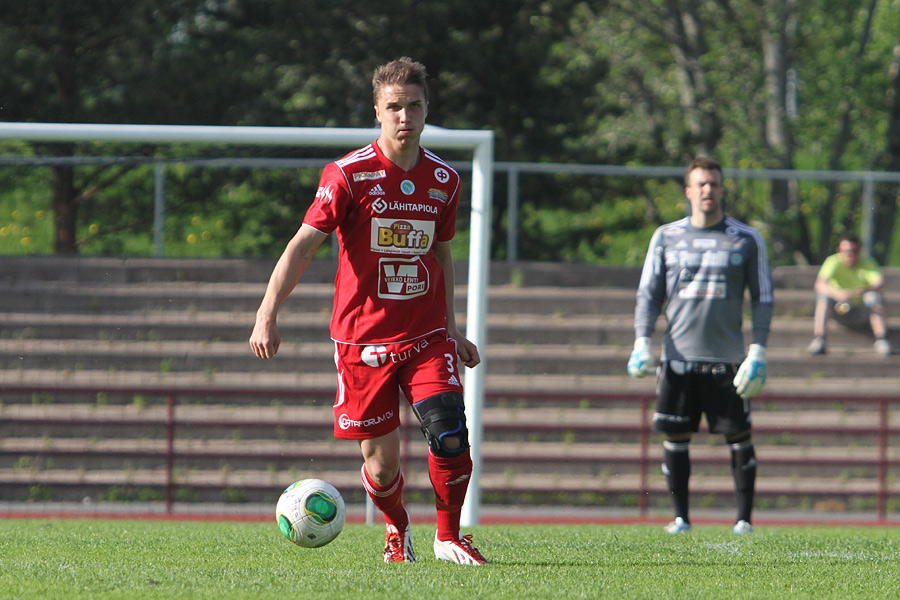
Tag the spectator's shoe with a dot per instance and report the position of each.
(460, 551)
(817, 346)
(679, 525)
(398, 545)
(743, 528)
(883, 347)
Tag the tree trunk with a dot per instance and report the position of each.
(887, 194)
(790, 233)
(65, 210)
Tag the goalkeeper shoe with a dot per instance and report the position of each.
(398, 545)
(679, 525)
(743, 528)
(460, 551)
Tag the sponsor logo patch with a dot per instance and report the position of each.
(377, 190)
(368, 175)
(402, 279)
(439, 195)
(401, 236)
(375, 356)
(345, 422)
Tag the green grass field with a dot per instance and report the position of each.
(75, 559)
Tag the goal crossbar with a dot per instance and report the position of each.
(480, 142)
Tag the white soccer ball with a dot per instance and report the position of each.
(310, 513)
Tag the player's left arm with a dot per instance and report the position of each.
(752, 374)
(467, 351)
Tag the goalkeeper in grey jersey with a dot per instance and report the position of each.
(697, 268)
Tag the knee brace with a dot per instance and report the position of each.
(443, 418)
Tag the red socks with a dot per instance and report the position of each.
(450, 479)
(389, 499)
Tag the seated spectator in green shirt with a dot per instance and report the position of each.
(848, 289)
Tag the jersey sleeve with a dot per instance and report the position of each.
(331, 202)
(759, 284)
(447, 225)
(651, 292)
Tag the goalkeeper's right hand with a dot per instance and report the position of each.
(640, 363)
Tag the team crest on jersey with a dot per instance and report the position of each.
(407, 187)
(369, 175)
(442, 175)
(401, 236)
(402, 278)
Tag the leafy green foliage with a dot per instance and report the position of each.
(647, 82)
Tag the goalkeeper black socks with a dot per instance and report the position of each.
(677, 469)
(743, 469)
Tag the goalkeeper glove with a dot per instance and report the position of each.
(640, 363)
(751, 377)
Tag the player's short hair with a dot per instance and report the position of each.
(703, 162)
(403, 71)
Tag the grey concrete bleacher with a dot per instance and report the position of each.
(559, 335)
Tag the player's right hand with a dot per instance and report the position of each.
(265, 340)
(641, 363)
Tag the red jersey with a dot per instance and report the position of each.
(389, 285)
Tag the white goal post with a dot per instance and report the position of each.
(481, 143)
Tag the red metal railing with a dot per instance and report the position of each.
(880, 432)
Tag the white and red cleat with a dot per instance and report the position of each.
(460, 551)
(398, 545)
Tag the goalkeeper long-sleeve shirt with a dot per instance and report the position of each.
(699, 276)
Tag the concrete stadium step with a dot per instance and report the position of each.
(317, 357)
(235, 326)
(105, 298)
(58, 297)
(524, 390)
(207, 326)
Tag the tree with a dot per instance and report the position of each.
(726, 77)
(79, 61)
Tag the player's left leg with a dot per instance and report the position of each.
(443, 420)
(743, 470)
(729, 414)
(437, 401)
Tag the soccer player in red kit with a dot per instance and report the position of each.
(393, 207)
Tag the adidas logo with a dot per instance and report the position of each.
(453, 380)
(376, 191)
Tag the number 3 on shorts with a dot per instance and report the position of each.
(451, 362)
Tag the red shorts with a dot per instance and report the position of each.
(370, 379)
